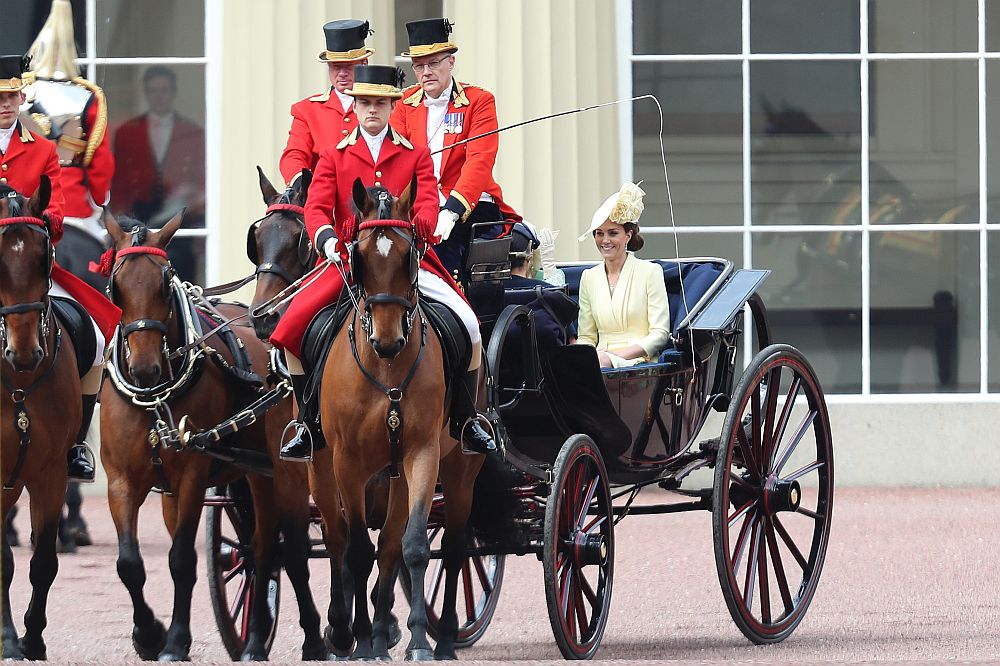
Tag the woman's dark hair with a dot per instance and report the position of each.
(636, 242)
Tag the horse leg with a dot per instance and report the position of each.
(360, 556)
(421, 471)
(183, 559)
(148, 633)
(11, 648)
(338, 635)
(458, 473)
(389, 554)
(46, 507)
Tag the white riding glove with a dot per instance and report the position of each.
(330, 250)
(447, 220)
(547, 250)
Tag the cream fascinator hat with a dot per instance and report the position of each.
(622, 207)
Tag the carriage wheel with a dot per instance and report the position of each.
(773, 494)
(578, 553)
(229, 527)
(478, 587)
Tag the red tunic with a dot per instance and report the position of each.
(318, 122)
(28, 157)
(92, 181)
(330, 200)
(466, 171)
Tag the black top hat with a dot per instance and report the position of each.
(12, 73)
(345, 41)
(429, 36)
(377, 81)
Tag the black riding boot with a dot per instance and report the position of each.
(473, 436)
(78, 463)
(308, 436)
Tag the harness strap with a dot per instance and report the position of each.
(155, 444)
(244, 419)
(229, 287)
(22, 422)
(394, 414)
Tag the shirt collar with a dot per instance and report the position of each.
(377, 138)
(9, 132)
(346, 101)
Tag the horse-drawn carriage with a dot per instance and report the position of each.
(579, 443)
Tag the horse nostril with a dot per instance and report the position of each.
(37, 355)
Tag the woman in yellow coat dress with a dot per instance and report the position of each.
(623, 301)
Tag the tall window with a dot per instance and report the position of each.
(848, 146)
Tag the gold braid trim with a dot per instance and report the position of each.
(96, 133)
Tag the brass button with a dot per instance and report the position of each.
(378, 174)
(3, 180)
(347, 132)
(378, 184)
(347, 119)
(4, 167)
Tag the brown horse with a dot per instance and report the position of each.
(140, 451)
(383, 405)
(40, 411)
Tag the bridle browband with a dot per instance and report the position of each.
(412, 302)
(43, 306)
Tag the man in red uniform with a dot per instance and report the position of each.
(324, 120)
(438, 112)
(24, 158)
(376, 154)
(72, 112)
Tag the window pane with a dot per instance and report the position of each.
(993, 288)
(661, 245)
(137, 28)
(702, 140)
(993, 140)
(23, 21)
(805, 141)
(805, 26)
(160, 164)
(686, 26)
(925, 143)
(993, 25)
(413, 10)
(922, 25)
(187, 254)
(813, 300)
(925, 311)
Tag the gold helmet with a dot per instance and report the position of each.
(53, 54)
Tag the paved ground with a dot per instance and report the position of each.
(910, 575)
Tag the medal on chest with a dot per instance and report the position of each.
(453, 122)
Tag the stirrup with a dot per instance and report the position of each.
(294, 425)
(88, 454)
(488, 428)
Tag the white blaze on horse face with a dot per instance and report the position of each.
(383, 245)
(17, 247)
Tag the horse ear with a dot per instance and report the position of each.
(362, 201)
(305, 179)
(114, 229)
(404, 204)
(39, 201)
(266, 188)
(162, 237)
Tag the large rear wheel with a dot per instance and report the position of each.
(773, 494)
(229, 528)
(578, 554)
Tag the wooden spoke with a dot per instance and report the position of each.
(751, 573)
(234, 572)
(585, 504)
(765, 595)
(802, 471)
(790, 543)
(437, 577)
(779, 569)
(811, 514)
(786, 413)
(796, 438)
(737, 555)
(470, 603)
(581, 613)
(749, 457)
(770, 407)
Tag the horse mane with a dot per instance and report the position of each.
(128, 223)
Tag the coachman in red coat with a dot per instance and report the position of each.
(439, 112)
(377, 155)
(324, 120)
(24, 158)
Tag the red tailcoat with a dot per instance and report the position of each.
(94, 179)
(466, 171)
(28, 157)
(318, 122)
(138, 176)
(330, 201)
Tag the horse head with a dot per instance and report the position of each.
(25, 268)
(141, 284)
(384, 263)
(278, 244)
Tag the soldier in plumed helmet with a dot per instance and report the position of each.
(325, 119)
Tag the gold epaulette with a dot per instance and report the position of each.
(399, 139)
(96, 133)
(322, 97)
(414, 98)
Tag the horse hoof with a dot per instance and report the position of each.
(33, 650)
(315, 651)
(445, 654)
(81, 536)
(171, 656)
(150, 641)
(251, 656)
(395, 634)
(419, 654)
(340, 645)
(67, 546)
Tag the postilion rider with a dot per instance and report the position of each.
(324, 120)
(378, 155)
(24, 158)
(440, 112)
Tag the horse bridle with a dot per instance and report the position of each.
(166, 289)
(410, 304)
(307, 255)
(43, 306)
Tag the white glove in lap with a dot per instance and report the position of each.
(446, 222)
(330, 250)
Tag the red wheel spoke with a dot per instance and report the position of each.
(765, 593)
(742, 510)
(564, 592)
(235, 571)
(437, 578)
(802, 471)
(470, 603)
(247, 609)
(770, 407)
(786, 413)
(748, 455)
(484, 577)
(737, 555)
(755, 433)
(581, 611)
(790, 543)
(234, 610)
(779, 569)
(799, 434)
(751, 565)
(811, 514)
(597, 521)
(588, 591)
(582, 513)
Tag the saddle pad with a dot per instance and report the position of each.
(76, 321)
(455, 343)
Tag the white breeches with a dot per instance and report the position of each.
(56, 290)
(93, 225)
(437, 289)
